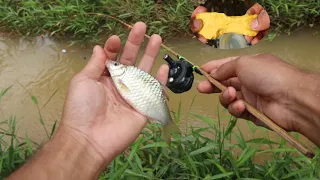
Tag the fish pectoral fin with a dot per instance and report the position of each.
(165, 92)
(168, 129)
(123, 86)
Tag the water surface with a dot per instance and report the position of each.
(41, 67)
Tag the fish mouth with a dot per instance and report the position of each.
(108, 63)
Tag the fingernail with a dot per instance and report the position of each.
(197, 24)
(255, 24)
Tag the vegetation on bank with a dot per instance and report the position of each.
(70, 18)
(190, 156)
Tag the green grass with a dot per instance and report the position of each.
(70, 18)
(190, 156)
(291, 15)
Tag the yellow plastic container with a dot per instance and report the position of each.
(216, 24)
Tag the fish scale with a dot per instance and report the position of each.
(144, 93)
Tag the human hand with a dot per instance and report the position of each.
(94, 110)
(196, 24)
(272, 86)
(261, 23)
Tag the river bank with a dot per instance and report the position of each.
(37, 63)
(72, 19)
(215, 148)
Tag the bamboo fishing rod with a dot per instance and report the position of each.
(255, 112)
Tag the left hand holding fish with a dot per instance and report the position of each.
(97, 124)
(94, 107)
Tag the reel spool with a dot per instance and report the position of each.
(181, 76)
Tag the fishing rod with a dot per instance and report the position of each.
(181, 79)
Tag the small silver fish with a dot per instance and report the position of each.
(144, 93)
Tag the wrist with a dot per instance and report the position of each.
(306, 95)
(68, 155)
(76, 151)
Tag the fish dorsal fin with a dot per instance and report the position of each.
(123, 86)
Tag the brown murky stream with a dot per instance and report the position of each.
(40, 66)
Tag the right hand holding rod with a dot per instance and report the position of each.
(284, 93)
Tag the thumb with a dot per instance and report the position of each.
(196, 25)
(226, 71)
(96, 64)
(262, 22)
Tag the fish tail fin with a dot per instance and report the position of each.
(168, 129)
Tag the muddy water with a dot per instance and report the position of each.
(39, 67)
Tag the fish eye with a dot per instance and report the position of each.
(116, 63)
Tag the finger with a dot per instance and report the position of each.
(227, 97)
(206, 87)
(262, 22)
(215, 64)
(226, 71)
(264, 33)
(259, 123)
(234, 82)
(248, 38)
(196, 24)
(203, 39)
(112, 47)
(96, 64)
(162, 74)
(237, 108)
(132, 46)
(255, 9)
(150, 54)
(257, 38)
(198, 10)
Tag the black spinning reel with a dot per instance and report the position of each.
(181, 76)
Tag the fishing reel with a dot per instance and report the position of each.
(181, 76)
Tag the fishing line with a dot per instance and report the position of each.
(256, 113)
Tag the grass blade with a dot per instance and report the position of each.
(278, 150)
(246, 154)
(261, 141)
(203, 149)
(204, 119)
(157, 144)
(3, 92)
(29, 147)
(34, 100)
(223, 175)
(120, 172)
(53, 128)
(50, 98)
